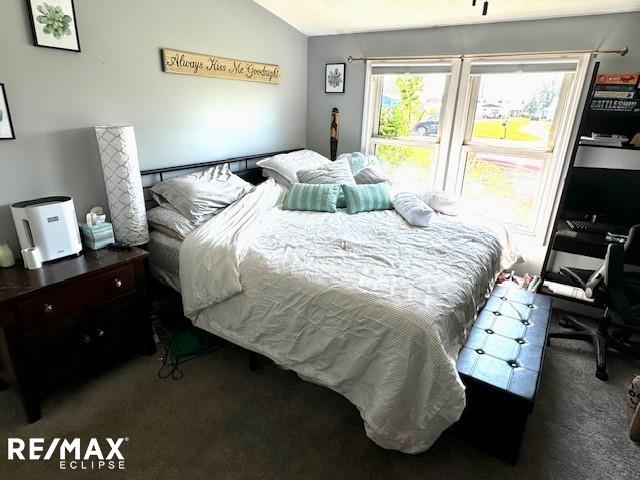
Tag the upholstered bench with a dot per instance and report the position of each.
(500, 365)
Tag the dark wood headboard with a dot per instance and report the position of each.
(244, 167)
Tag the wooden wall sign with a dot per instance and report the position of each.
(187, 63)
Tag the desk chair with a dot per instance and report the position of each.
(616, 286)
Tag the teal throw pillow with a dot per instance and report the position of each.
(364, 198)
(312, 197)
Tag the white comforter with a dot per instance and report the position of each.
(364, 304)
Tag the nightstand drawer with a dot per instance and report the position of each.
(50, 306)
(110, 284)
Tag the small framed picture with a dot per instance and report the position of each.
(334, 77)
(54, 24)
(6, 128)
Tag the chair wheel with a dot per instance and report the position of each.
(602, 375)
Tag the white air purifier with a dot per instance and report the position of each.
(48, 224)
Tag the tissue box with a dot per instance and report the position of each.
(97, 236)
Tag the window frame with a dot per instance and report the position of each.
(556, 151)
(453, 145)
(371, 115)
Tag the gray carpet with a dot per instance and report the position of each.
(223, 421)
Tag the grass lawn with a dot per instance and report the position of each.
(494, 128)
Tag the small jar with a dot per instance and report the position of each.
(6, 256)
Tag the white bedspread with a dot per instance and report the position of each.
(364, 304)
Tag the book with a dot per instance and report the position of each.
(613, 105)
(629, 78)
(614, 88)
(611, 94)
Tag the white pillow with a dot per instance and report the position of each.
(441, 202)
(287, 164)
(267, 172)
(412, 209)
(338, 172)
(200, 195)
(170, 219)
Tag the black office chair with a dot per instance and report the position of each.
(616, 286)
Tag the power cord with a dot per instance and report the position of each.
(173, 364)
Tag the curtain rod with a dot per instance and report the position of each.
(622, 52)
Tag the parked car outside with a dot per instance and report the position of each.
(428, 126)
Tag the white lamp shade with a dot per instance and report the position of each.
(119, 158)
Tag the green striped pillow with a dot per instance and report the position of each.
(312, 197)
(364, 198)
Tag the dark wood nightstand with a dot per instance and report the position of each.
(70, 317)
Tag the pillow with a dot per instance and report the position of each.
(287, 164)
(359, 161)
(364, 198)
(369, 175)
(266, 172)
(441, 202)
(312, 197)
(165, 231)
(200, 195)
(412, 209)
(167, 220)
(337, 172)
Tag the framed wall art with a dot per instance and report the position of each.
(53, 23)
(334, 77)
(6, 127)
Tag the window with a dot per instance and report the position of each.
(407, 118)
(510, 131)
(492, 131)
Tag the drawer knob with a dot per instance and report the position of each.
(86, 339)
(117, 283)
(100, 333)
(47, 308)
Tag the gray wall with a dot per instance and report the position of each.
(604, 31)
(56, 97)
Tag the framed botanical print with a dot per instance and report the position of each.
(54, 24)
(6, 128)
(334, 77)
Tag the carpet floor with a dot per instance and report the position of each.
(223, 421)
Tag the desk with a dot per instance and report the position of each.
(579, 243)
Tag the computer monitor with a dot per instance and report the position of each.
(611, 194)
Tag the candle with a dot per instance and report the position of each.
(6, 256)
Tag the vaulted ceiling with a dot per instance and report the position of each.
(326, 17)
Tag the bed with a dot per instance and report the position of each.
(164, 259)
(363, 304)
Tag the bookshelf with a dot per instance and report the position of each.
(620, 161)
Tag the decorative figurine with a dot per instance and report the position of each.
(335, 120)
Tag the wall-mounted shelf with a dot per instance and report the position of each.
(623, 147)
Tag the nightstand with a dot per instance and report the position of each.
(70, 317)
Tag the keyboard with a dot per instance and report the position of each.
(593, 227)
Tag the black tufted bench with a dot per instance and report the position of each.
(500, 365)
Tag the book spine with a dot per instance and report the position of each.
(614, 88)
(609, 94)
(616, 105)
(618, 78)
